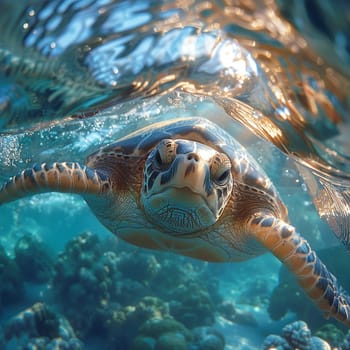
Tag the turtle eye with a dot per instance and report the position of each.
(220, 169)
(165, 153)
(223, 176)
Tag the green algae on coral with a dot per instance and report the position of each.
(155, 327)
(171, 341)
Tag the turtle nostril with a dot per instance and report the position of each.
(193, 156)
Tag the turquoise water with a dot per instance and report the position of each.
(77, 75)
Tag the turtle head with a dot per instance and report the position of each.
(186, 186)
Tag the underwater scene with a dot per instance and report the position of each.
(174, 175)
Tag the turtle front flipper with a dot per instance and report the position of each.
(55, 177)
(312, 275)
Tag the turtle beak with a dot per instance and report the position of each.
(193, 175)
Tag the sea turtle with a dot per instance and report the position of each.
(187, 186)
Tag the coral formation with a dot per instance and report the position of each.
(140, 267)
(274, 341)
(33, 259)
(84, 280)
(143, 343)
(207, 338)
(255, 293)
(119, 288)
(295, 336)
(11, 281)
(123, 322)
(345, 345)
(228, 311)
(191, 304)
(333, 335)
(162, 334)
(168, 334)
(171, 341)
(128, 299)
(155, 327)
(39, 327)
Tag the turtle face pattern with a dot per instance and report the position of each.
(186, 186)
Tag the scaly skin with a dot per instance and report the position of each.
(59, 177)
(293, 250)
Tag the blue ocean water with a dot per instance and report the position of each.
(77, 75)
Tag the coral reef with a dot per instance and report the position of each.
(171, 341)
(191, 304)
(11, 281)
(229, 312)
(84, 281)
(155, 327)
(298, 335)
(255, 293)
(345, 345)
(333, 335)
(129, 300)
(169, 334)
(295, 336)
(273, 342)
(33, 259)
(119, 289)
(125, 297)
(39, 327)
(207, 338)
(121, 323)
(130, 267)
